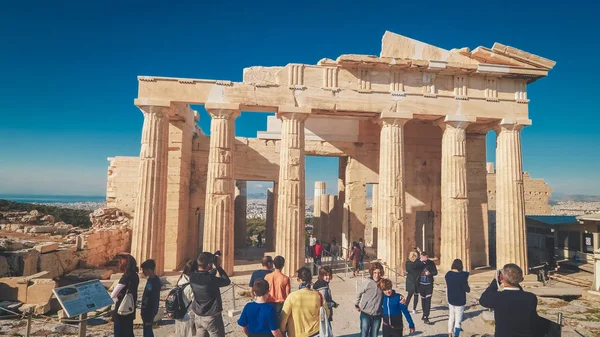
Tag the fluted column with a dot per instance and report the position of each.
(455, 204)
(148, 237)
(220, 185)
(291, 195)
(511, 236)
(391, 191)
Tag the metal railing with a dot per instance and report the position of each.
(333, 261)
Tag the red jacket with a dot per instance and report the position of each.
(318, 250)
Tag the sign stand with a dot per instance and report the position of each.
(83, 325)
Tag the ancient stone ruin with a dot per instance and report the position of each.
(411, 121)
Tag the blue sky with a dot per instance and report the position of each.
(68, 73)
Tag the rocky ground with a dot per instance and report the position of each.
(581, 317)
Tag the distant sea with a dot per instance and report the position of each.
(53, 199)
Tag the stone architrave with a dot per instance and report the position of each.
(291, 195)
(391, 190)
(511, 236)
(455, 203)
(240, 222)
(220, 185)
(148, 234)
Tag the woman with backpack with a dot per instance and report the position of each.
(185, 326)
(128, 284)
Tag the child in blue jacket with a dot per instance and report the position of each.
(393, 308)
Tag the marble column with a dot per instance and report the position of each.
(374, 215)
(291, 195)
(148, 234)
(220, 185)
(511, 236)
(391, 191)
(455, 204)
(320, 191)
(240, 218)
(270, 221)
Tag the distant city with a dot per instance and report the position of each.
(257, 203)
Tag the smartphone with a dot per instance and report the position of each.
(499, 276)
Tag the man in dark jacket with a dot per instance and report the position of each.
(514, 309)
(208, 304)
(151, 297)
(426, 285)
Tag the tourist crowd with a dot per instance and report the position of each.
(308, 311)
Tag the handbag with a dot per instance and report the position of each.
(324, 323)
(127, 305)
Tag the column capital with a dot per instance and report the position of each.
(223, 110)
(512, 124)
(394, 118)
(458, 121)
(293, 112)
(159, 107)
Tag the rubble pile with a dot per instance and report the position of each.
(36, 224)
(110, 217)
(31, 242)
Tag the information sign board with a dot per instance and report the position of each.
(83, 297)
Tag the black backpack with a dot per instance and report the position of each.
(174, 306)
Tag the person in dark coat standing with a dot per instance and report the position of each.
(414, 266)
(515, 310)
(426, 285)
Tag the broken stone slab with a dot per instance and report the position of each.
(46, 247)
(59, 262)
(38, 308)
(82, 275)
(22, 262)
(40, 291)
(15, 288)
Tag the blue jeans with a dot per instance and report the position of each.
(369, 325)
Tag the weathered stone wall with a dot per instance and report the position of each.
(537, 194)
(103, 245)
(121, 186)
